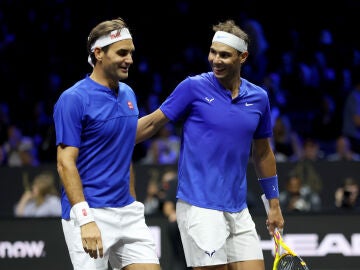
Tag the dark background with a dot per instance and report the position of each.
(331, 174)
(43, 43)
(43, 51)
(319, 227)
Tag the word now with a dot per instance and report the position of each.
(22, 249)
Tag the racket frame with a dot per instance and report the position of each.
(281, 248)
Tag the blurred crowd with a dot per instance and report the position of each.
(311, 73)
(308, 62)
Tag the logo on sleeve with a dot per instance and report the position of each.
(130, 105)
(209, 99)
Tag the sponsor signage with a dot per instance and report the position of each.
(331, 242)
(311, 245)
(22, 249)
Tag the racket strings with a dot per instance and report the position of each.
(290, 262)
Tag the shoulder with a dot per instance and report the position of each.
(251, 87)
(206, 76)
(77, 91)
(126, 88)
(199, 79)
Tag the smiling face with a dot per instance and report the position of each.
(116, 59)
(225, 61)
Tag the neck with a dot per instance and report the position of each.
(233, 87)
(113, 85)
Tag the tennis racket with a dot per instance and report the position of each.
(285, 258)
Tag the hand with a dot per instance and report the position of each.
(27, 195)
(339, 196)
(25, 198)
(91, 239)
(172, 217)
(275, 220)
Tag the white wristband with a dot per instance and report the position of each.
(82, 213)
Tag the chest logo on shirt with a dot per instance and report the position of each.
(209, 99)
(130, 105)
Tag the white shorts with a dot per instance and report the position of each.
(212, 237)
(125, 236)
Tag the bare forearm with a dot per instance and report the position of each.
(148, 125)
(20, 207)
(264, 160)
(145, 129)
(71, 181)
(69, 174)
(265, 167)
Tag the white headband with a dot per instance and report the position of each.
(231, 40)
(110, 38)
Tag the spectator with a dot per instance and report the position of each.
(347, 196)
(170, 182)
(298, 197)
(286, 142)
(164, 148)
(343, 151)
(277, 95)
(151, 201)
(19, 150)
(41, 199)
(326, 124)
(311, 150)
(305, 168)
(168, 193)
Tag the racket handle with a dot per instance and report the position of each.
(267, 209)
(266, 203)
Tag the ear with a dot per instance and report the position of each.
(244, 56)
(98, 52)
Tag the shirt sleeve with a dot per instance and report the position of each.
(68, 112)
(177, 104)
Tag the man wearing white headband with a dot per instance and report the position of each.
(225, 118)
(95, 123)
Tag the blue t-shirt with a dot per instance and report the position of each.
(102, 125)
(216, 139)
